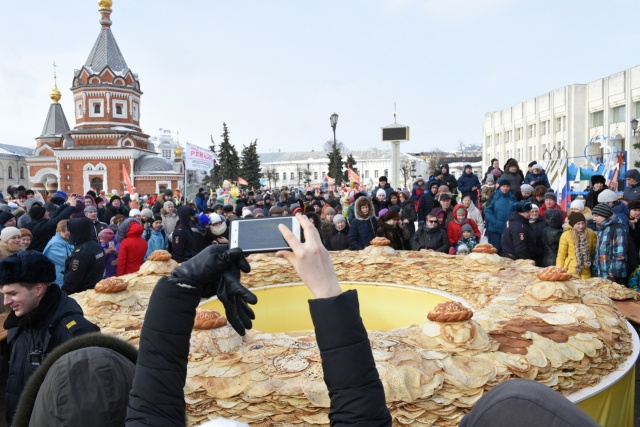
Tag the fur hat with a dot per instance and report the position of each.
(607, 196)
(227, 208)
(338, 218)
(26, 267)
(575, 218)
(9, 233)
(632, 205)
(510, 163)
(526, 188)
(550, 195)
(598, 179)
(467, 227)
(419, 178)
(462, 248)
(504, 181)
(523, 206)
(603, 210)
(391, 214)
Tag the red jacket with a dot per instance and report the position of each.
(454, 230)
(132, 250)
(556, 206)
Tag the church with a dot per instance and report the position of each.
(107, 145)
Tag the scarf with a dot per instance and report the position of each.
(582, 252)
(218, 229)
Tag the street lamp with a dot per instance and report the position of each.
(634, 126)
(334, 123)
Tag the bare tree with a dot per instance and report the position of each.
(270, 175)
(328, 146)
(434, 157)
(461, 147)
(407, 170)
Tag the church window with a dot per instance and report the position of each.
(67, 166)
(22, 173)
(96, 108)
(119, 109)
(10, 172)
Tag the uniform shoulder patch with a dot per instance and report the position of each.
(77, 250)
(71, 324)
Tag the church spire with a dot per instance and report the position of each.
(55, 94)
(105, 12)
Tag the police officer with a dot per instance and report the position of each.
(85, 267)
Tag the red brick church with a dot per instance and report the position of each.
(107, 135)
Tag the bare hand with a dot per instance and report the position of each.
(311, 260)
(222, 241)
(71, 201)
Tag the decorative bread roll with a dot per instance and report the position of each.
(159, 255)
(554, 274)
(450, 311)
(380, 241)
(110, 285)
(208, 319)
(485, 248)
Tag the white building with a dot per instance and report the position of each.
(292, 168)
(564, 121)
(13, 166)
(164, 144)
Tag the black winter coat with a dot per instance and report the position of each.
(336, 240)
(85, 267)
(425, 205)
(551, 236)
(55, 320)
(43, 230)
(537, 228)
(409, 213)
(592, 197)
(430, 238)
(183, 242)
(518, 241)
(396, 235)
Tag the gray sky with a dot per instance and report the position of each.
(276, 70)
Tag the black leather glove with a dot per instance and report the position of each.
(216, 270)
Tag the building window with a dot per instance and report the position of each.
(284, 176)
(118, 109)
(277, 176)
(10, 172)
(67, 166)
(366, 174)
(315, 176)
(637, 110)
(559, 124)
(375, 173)
(324, 174)
(544, 128)
(79, 109)
(498, 139)
(518, 134)
(618, 114)
(597, 119)
(386, 172)
(507, 136)
(531, 131)
(532, 153)
(134, 111)
(489, 141)
(300, 176)
(96, 108)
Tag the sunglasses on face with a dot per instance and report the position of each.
(432, 221)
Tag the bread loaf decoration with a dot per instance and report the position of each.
(110, 285)
(450, 311)
(554, 274)
(208, 319)
(485, 248)
(159, 255)
(380, 241)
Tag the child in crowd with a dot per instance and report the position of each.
(462, 249)
(111, 249)
(155, 236)
(468, 238)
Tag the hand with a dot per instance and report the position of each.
(71, 200)
(235, 299)
(223, 241)
(311, 260)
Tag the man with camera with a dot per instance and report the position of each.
(41, 318)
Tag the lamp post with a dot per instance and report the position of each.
(634, 126)
(334, 123)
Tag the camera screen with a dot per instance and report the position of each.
(258, 235)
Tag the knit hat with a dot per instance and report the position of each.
(523, 206)
(603, 210)
(382, 212)
(406, 193)
(295, 208)
(37, 212)
(537, 166)
(258, 212)
(633, 174)
(106, 234)
(26, 267)
(526, 188)
(496, 173)
(632, 205)
(462, 248)
(275, 211)
(598, 179)
(550, 195)
(167, 204)
(133, 212)
(467, 227)
(381, 192)
(31, 202)
(532, 163)
(156, 217)
(329, 211)
(607, 196)
(338, 218)
(90, 209)
(468, 166)
(146, 213)
(577, 204)
(576, 217)
(490, 178)
(204, 219)
(503, 181)
(535, 207)
(395, 208)
(227, 208)
(214, 217)
(9, 233)
(4, 217)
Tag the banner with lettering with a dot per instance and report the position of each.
(198, 158)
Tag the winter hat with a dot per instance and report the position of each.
(523, 206)
(503, 181)
(633, 174)
(382, 212)
(146, 213)
(537, 166)
(381, 192)
(26, 267)
(60, 195)
(490, 178)
(395, 208)
(467, 227)
(532, 164)
(390, 215)
(295, 208)
(632, 205)
(4, 217)
(90, 209)
(37, 212)
(246, 212)
(9, 233)
(607, 196)
(4, 208)
(526, 188)
(462, 248)
(577, 204)
(168, 192)
(419, 178)
(114, 197)
(535, 207)
(338, 218)
(134, 212)
(204, 219)
(496, 173)
(576, 217)
(214, 217)
(106, 234)
(406, 193)
(329, 211)
(550, 195)
(227, 208)
(603, 210)
(598, 179)
(445, 196)
(31, 202)
(276, 211)
(156, 217)
(258, 212)
(167, 203)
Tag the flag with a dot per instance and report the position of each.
(352, 175)
(242, 181)
(126, 179)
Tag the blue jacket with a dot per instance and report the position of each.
(541, 179)
(363, 227)
(58, 250)
(156, 240)
(621, 211)
(497, 213)
(201, 202)
(466, 182)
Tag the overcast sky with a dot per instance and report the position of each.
(276, 70)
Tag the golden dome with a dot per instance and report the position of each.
(105, 4)
(55, 94)
(178, 151)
